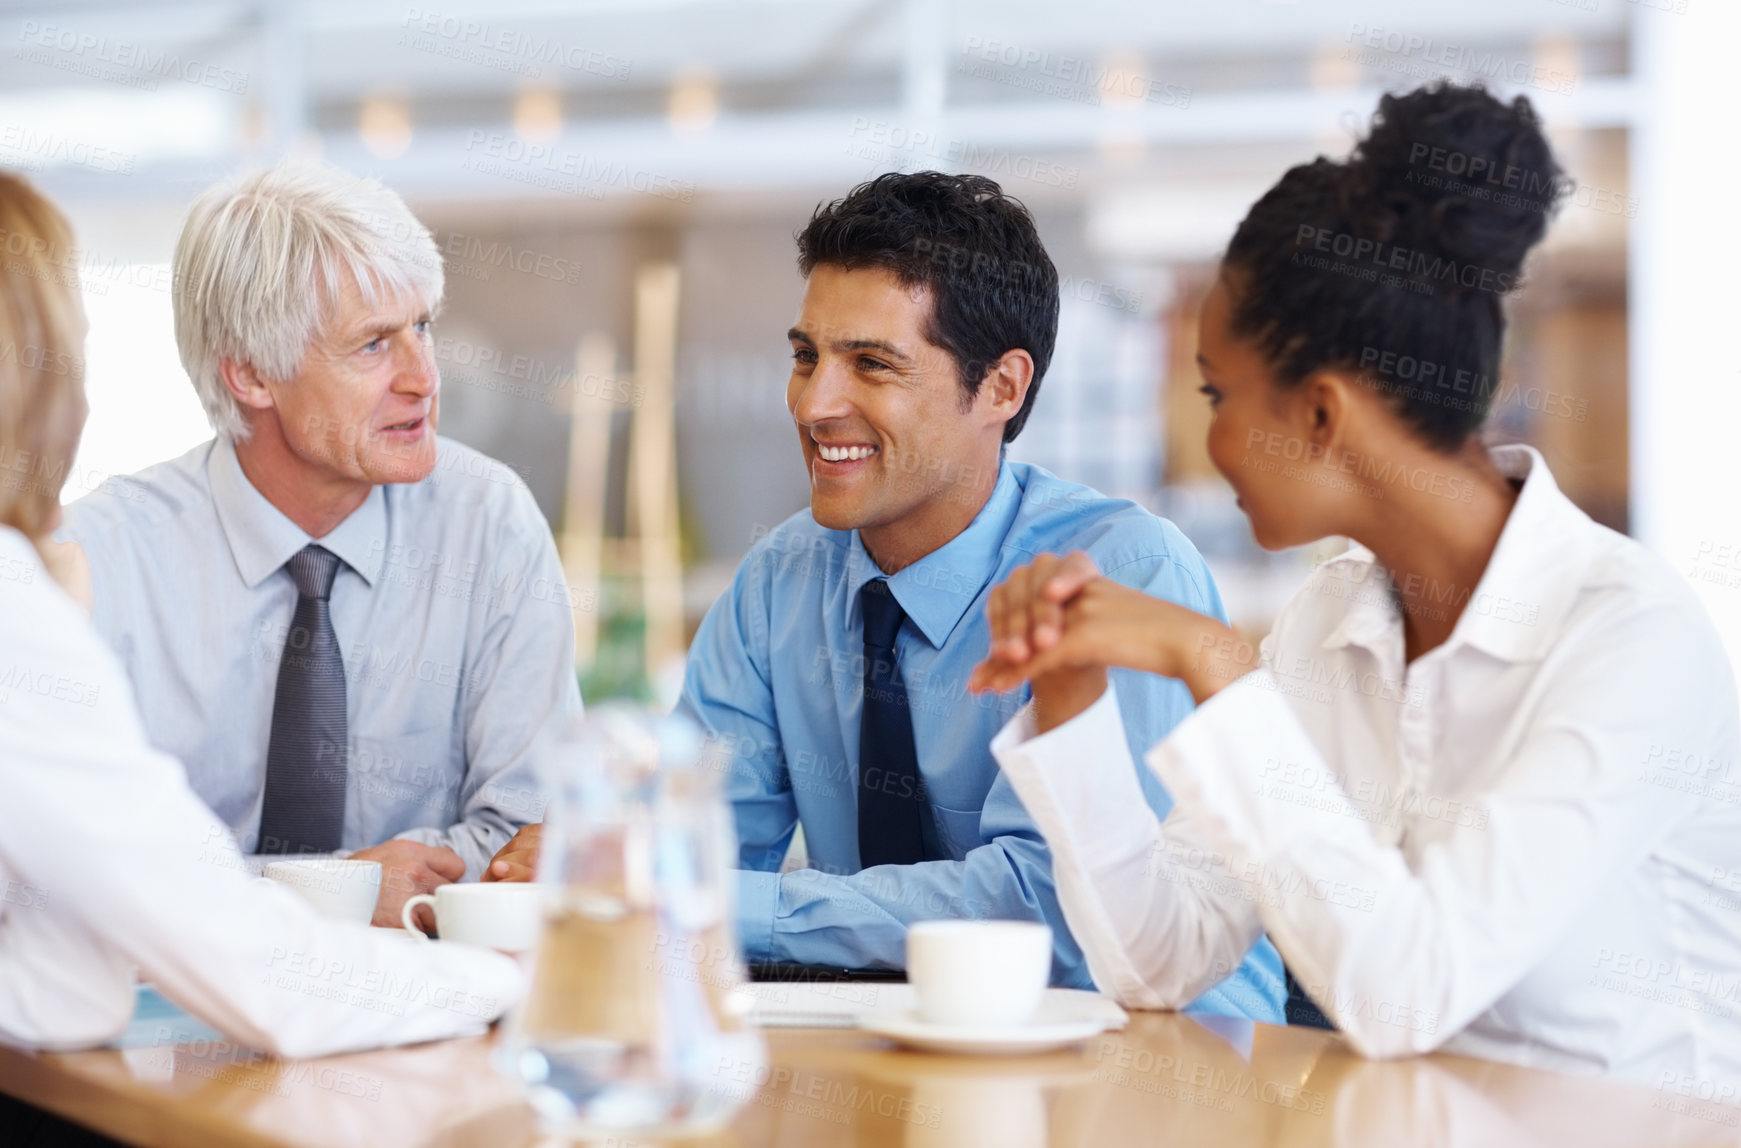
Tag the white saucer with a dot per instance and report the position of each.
(1061, 1021)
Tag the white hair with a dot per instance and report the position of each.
(263, 258)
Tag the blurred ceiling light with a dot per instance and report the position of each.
(538, 115)
(694, 102)
(1335, 68)
(1557, 63)
(385, 125)
(1121, 148)
(1124, 83)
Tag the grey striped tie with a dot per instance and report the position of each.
(304, 807)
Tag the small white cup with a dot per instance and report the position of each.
(978, 973)
(336, 886)
(504, 915)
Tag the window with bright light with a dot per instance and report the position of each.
(143, 408)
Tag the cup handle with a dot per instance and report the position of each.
(405, 914)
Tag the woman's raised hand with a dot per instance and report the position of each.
(1059, 624)
(1048, 627)
(1027, 611)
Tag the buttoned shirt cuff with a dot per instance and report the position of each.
(1077, 780)
(1235, 764)
(758, 897)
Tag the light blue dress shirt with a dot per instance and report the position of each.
(775, 673)
(452, 616)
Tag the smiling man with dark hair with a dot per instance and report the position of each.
(834, 669)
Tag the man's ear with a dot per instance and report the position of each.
(1004, 386)
(245, 385)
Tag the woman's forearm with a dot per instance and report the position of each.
(1061, 696)
(1209, 655)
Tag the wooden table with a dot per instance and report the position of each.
(1167, 1080)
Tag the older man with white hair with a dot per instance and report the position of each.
(355, 634)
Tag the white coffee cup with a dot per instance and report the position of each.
(337, 886)
(503, 915)
(980, 973)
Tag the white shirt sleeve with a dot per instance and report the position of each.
(1150, 904)
(1401, 953)
(115, 863)
(1400, 957)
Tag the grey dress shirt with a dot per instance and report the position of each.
(451, 612)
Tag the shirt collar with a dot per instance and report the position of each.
(1529, 584)
(1533, 577)
(262, 539)
(1370, 620)
(936, 590)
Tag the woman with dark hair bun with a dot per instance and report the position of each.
(1479, 784)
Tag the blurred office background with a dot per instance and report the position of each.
(615, 184)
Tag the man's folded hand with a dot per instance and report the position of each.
(518, 859)
(407, 869)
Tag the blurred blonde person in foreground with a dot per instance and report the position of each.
(108, 861)
(1477, 785)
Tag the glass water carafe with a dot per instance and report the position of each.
(638, 1015)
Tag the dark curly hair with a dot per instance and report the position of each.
(993, 287)
(1394, 262)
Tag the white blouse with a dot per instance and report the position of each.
(109, 861)
(1524, 846)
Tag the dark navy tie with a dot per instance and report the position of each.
(891, 800)
(304, 808)
(1301, 1009)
